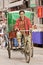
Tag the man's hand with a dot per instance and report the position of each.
(17, 29)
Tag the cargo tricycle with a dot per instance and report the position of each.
(16, 37)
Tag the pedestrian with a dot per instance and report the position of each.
(4, 25)
(23, 23)
(26, 3)
(1, 34)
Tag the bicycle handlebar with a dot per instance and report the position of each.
(24, 30)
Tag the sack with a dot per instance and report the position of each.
(12, 35)
(15, 42)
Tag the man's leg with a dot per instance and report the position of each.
(28, 40)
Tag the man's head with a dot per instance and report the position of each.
(21, 13)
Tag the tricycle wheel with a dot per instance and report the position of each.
(9, 50)
(9, 54)
(27, 52)
(32, 50)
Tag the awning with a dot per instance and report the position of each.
(15, 4)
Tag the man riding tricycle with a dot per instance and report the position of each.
(22, 30)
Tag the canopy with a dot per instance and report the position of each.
(13, 16)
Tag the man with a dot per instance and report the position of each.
(26, 3)
(23, 23)
(1, 33)
(4, 25)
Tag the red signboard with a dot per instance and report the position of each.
(40, 12)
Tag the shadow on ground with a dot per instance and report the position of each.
(38, 45)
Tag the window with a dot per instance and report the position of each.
(42, 2)
(39, 2)
(42, 20)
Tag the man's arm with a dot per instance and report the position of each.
(29, 23)
(16, 25)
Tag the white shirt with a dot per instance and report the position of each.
(1, 32)
(0, 25)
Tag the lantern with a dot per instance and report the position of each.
(40, 11)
